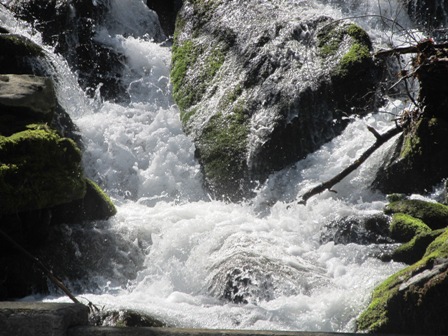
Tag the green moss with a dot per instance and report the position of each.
(330, 38)
(204, 63)
(414, 250)
(38, 169)
(438, 249)
(223, 149)
(357, 53)
(107, 207)
(411, 145)
(435, 215)
(183, 58)
(404, 227)
(376, 317)
(213, 63)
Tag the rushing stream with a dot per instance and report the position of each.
(179, 246)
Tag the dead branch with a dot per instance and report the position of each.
(380, 140)
(409, 49)
(43, 268)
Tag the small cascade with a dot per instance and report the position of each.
(175, 253)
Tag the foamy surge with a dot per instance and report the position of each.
(191, 244)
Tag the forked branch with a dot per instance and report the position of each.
(380, 140)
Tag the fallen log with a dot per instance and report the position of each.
(380, 140)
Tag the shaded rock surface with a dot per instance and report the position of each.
(167, 11)
(417, 160)
(124, 318)
(262, 87)
(41, 174)
(76, 29)
(430, 15)
(372, 229)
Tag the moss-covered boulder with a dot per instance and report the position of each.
(259, 88)
(404, 227)
(41, 173)
(434, 215)
(416, 162)
(413, 250)
(38, 169)
(413, 300)
(95, 205)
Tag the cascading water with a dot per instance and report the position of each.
(184, 255)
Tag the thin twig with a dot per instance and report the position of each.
(41, 265)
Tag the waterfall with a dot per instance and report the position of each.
(179, 249)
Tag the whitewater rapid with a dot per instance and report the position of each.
(189, 242)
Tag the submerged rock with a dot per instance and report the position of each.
(262, 84)
(364, 230)
(246, 277)
(124, 318)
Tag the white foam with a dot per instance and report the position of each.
(139, 154)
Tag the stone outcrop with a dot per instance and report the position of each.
(73, 27)
(262, 87)
(42, 183)
(410, 301)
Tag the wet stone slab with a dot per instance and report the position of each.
(39, 319)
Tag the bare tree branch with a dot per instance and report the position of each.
(44, 269)
(380, 140)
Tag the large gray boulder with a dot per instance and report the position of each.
(262, 84)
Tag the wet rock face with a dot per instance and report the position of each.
(41, 175)
(72, 27)
(262, 84)
(358, 230)
(429, 14)
(167, 11)
(249, 278)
